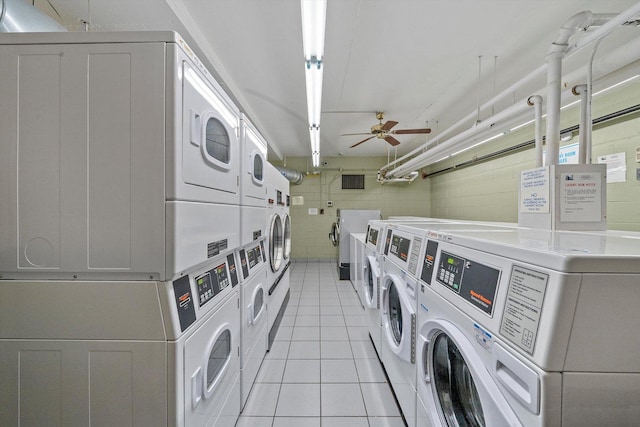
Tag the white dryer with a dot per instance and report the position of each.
(122, 353)
(279, 246)
(253, 165)
(253, 313)
(132, 146)
(528, 328)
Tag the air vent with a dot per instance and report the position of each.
(353, 182)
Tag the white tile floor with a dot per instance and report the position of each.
(322, 369)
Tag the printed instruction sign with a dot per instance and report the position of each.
(523, 307)
(534, 190)
(616, 167)
(581, 197)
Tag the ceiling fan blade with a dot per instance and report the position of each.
(391, 140)
(411, 131)
(364, 140)
(387, 126)
(349, 134)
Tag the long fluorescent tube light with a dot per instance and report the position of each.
(314, 134)
(314, 17)
(313, 76)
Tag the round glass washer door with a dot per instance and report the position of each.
(276, 243)
(370, 282)
(456, 391)
(394, 314)
(286, 242)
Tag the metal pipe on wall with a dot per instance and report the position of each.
(536, 102)
(583, 92)
(606, 27)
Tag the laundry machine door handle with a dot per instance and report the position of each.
(250, 313)
(195, 134)
(424, 367)
(196, 388)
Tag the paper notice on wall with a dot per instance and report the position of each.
(581, 197)
(534, 191)
(616, 167)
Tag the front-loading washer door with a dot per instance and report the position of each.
(334, 234)
(398, 317)
(210, 146)
(371, 282)
(454, 383)
(276, 243)
(286, 238)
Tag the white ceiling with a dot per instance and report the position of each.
(416, 60)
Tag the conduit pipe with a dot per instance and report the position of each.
(609, 26)
(405, 179)
(607, 65)
(18, 16)
(557, 52)
(414, 163)
(584, 93)
(536, 102)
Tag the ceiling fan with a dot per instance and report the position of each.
(383, 131)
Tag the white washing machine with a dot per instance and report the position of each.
(398, 304)
(357, 241)
(529, 328)
(139, 353)
(132, 146)
(279, 245)
(253, 314)
(371, 275)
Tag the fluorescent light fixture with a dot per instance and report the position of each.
(313, 76)
(314, 17)
(210, 96)
(314, 134)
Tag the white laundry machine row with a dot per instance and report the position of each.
(120, 156)
(279, 243)
(253, 312)
(125, 353)
(376, 240)
(528, 328)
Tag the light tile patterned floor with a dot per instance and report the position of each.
(322, 370)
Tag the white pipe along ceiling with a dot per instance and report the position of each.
(559, 50)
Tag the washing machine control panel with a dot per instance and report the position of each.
(400, 247)
(212, 283)
(373, 236)
(475, 282)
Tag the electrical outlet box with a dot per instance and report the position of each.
(638, 174)
(329, 203)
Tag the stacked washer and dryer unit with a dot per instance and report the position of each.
(119, 286)
(252, 255)
(279, 251)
